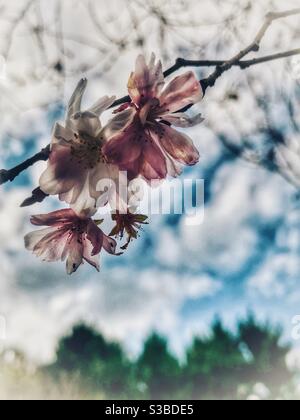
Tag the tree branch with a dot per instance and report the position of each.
(221, 68)
(243, 64)
(249, 63)
(37, 196)
(253, 47)
(11, 174)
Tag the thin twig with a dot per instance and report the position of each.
(243, 64)
(37, 196)
(250, 63)
(253, 47)
(14, 25)
(11, 174)
(221, 68)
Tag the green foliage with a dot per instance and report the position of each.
(157, 369)
(214, 364)
(101, 365)
(268, 363)
(221, 365)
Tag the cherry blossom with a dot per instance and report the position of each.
(128, 223)
(141, 139)
(90, 165)
(68, 237)
(76, 163)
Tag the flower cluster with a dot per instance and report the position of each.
(90, 164)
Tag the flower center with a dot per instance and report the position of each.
(87, 151)
(148, 111)
(78, 229)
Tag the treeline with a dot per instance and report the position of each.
(221, 365)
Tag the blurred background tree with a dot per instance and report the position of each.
(248, 248)
(221, 365)
(268, 357)
(158, 370)
(214, 364)
(101, 365)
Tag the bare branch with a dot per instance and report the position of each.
(253, 47)
(221, 68)
(38, 196)
(14, 25)
(243, 64)
(11, 174)
(249, 63)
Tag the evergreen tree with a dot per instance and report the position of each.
(214, 364)
(157, 369)
(268, 356)
(100, 364)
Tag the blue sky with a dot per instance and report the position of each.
(175, 278)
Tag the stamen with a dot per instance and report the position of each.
(87, 151)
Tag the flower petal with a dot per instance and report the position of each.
(174, 168)
(119, 123)
(33, 238)
(102, 105)
(61, 135)
(80, 199)
(120, 194)
(75, 255)
(56, 218)
(108, 185)
(178, 145)
(132, 169)
(51, 243)
(75, 101)
(86, 123)
(126, 146)
(88, 256)
(182, 120)
(109, 244)
(95, 236)
(63, 172)
(146, 81)
(154, 166)
(102, 183)
(182, 91)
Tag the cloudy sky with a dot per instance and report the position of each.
(176, 278)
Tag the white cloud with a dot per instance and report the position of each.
(12, 219)
(293, 359)
(278, 277)
(39, 301)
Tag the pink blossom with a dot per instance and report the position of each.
(140, 138)
(76, 163)
(68, 236)
(129, 223)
